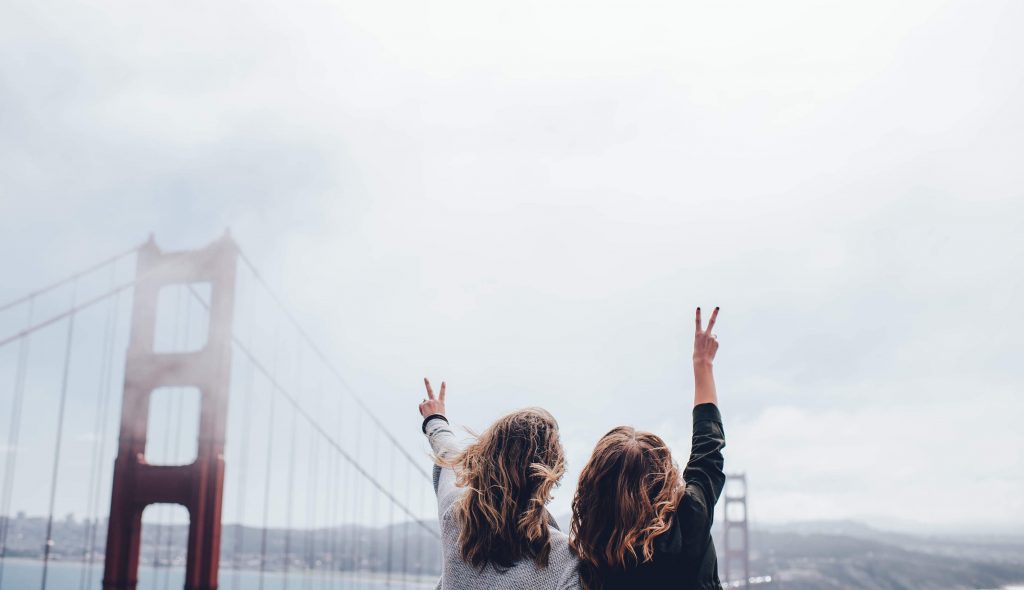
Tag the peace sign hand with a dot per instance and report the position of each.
(705, 344)
(432, 405)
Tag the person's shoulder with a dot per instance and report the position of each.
(449, 519)
(687, 528)
(559, 542)
(561, 555)
(563, 562)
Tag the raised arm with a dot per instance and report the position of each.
(442, 442)
(704, 475)
(705, 345)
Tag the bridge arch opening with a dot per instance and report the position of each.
(162, 552)
(182, 320)
(173, 426)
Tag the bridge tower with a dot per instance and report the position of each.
(736, 533)
(198, 486)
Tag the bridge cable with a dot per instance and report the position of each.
(104, 437)
(421, 547)
(357, 499)
(323, 358)
(291, 499)
(377, 497)
(242, 471)
(60, 437)
(74, 309)
(13, 435)
(68, 279)
(347, 538)
(247, 403)
(340, 535)
(179, 402)
(312, 473)
(100, 433)
(162, 518)
(270, 455)
(405, 528)
(311, 460)
(335, 521)
(391, 520)
(291, 399)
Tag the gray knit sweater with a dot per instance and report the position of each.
(456, 574)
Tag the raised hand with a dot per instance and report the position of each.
(705, 344)
(432, 405)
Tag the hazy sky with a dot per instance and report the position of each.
(528, 199)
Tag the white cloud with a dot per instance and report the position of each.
(529, 200)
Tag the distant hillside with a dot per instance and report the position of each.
(822, 562)
(845, 554)
(800, 556)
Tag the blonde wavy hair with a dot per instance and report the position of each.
(509, 473)
(626, 495)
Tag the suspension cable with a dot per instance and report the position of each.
(376, 497)
(405, 530)
(179, 402)
(391, 521)
(242, 469)
(96, 468)
(335, 531)
(290, 502)
(66, 280)
(346, 539)
(104, 436)
(421, 547)
(308, 543)
(270, 455)
(248, 403)
(163, 518)
(312, 481)
(357, 497)
(324, 359)
(60, 438)
(67, 313)
(291, 399)
(74, 309)
(13, 435)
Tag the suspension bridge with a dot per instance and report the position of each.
(199, 349)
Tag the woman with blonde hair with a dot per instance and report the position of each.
(496, 533)
(637, 522)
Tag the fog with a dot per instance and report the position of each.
(528, 200)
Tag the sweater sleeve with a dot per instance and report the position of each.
(443, 444)
(704, 474)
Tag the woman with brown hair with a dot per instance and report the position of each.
(496, 533)
(637, 522)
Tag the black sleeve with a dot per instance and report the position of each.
(704, 474)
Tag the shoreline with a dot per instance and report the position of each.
(356, 576)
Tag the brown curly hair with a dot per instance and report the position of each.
(509, 473)
(626, 496)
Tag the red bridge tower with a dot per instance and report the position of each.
(198, 486)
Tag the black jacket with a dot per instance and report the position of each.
(684, 557)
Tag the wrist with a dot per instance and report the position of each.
(702, 366)
(430, 417)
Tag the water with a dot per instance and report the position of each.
(27, 575)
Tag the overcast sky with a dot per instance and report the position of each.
(528, 199)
